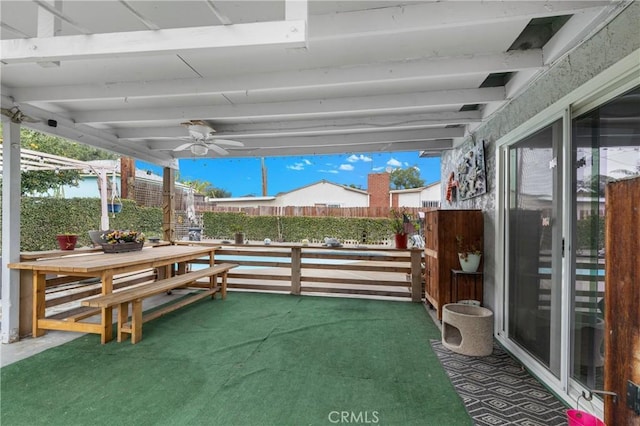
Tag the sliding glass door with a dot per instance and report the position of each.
(535, 244)
(606, 146)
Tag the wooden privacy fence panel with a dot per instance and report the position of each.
(313, 211)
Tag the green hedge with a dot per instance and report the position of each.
(295, 228)
(43, 218)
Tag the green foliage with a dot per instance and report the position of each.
(36, 141)
(296, 228)
(406, 178)
(43, 218)
(41, 181)
(214, 192)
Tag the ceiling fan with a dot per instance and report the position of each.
(201, 139)
(17, 116)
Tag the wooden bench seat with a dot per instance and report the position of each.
(137, 294)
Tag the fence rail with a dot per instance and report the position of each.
(303, 270)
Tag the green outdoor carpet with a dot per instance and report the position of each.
(252, 359)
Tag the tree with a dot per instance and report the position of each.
(214, 192)
(205, 188)
(406, 178)
(36, 141)
(41, 181)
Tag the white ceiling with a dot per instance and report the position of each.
(283, 77)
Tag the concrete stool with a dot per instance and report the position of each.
(467, 329)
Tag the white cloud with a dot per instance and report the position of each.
(378, 169)
(328, 171)
(300, 165)
(346, 167)
(296, 166)
(355, 158)
(394, 163)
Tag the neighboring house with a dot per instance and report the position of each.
(240, 202)
(324, 193)
(328, 194)
(424, 196)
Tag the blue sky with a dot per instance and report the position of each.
(242, 176)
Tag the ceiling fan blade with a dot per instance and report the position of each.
(218, 149)
(183, 146)
(227, 142)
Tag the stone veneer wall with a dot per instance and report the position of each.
(618, 39)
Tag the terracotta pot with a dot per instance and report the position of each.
(67, 242)
(401, 241)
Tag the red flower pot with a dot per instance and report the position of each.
(67, 242)
(401, 241)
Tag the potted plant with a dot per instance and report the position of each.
(120, 241)
(469, 254)
(67, 240)
(238, 234)
(399, 221)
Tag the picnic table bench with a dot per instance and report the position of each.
(135, 296)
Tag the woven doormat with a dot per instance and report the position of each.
(497, 390)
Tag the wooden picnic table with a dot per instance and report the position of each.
(103, 266)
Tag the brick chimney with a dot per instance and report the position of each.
(378, 188)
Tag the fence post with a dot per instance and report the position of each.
(416, 275)
(296, 269)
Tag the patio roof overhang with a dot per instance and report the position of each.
(284, 77)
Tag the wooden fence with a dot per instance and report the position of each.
(304, 270)
(314, 211)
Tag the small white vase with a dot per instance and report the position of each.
(471, 263)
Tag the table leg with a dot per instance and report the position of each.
(136, 321)
(39, 303)
(123, 315)
(106, 323)
(213, 280)
(224, 285)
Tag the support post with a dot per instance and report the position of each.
(416, 275)
(168, 204)
(296, 270)
(127, 178)
(10, 230)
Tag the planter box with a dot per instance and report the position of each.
(122, 247)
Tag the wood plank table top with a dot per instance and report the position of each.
(96, 262)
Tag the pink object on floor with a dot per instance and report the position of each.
(582, 418)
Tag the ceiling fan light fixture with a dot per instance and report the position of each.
(197, 149)
(199, 131)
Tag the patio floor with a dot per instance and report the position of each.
(253, 359)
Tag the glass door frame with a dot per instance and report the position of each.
(557, 384)
(616, 80)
